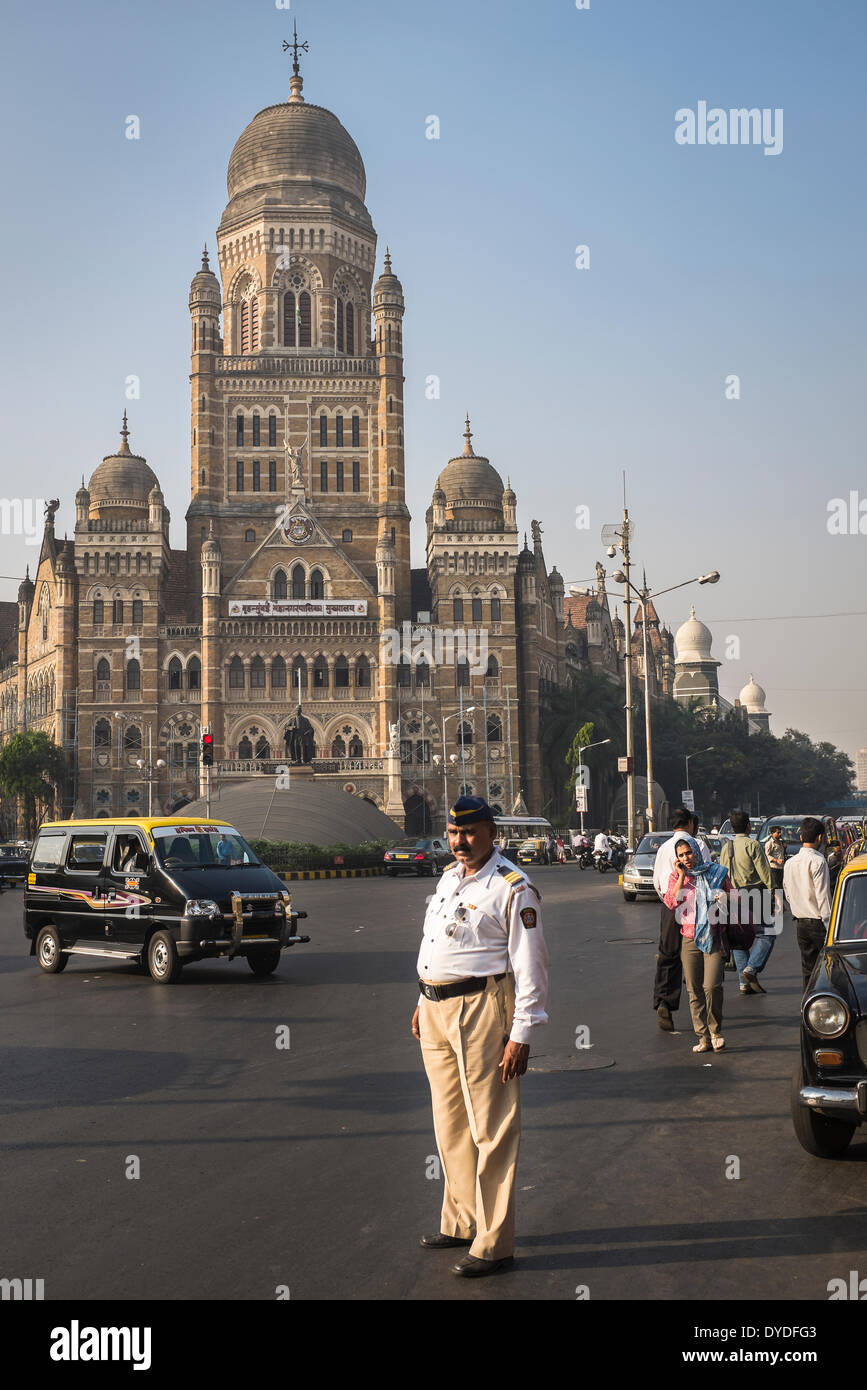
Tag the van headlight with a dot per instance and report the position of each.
(202, 907)
(827, 1016)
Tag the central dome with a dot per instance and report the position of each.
(291, 152)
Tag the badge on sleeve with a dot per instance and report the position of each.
(528, 917)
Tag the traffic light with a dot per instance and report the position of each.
(207, 750)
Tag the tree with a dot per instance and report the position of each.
(31, 767)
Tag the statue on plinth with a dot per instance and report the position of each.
(299, 739)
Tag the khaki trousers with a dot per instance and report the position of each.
(704, 980)
(477, 1119)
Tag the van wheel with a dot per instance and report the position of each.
(49, 951)
(819, 1135)
(264, 962)
(163, 960)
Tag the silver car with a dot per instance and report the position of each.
(637, 878)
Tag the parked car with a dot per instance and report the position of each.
(13, 862)
(831, 847)
(156, 891)
(757, 824)
(533, 852)
(829, 1084)
(714, 845)
(428, 856)
(637, 877)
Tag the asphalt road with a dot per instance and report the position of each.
(307, 1167)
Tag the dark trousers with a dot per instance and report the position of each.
(811, 939)
(669, 971)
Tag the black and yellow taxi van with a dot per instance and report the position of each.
(160, 891)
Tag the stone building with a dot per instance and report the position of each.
(295, 581)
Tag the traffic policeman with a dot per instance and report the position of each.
(483, 975)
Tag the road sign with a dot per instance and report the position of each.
(581, 799)
(688, 799)
(624, 764)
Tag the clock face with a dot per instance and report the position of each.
(299, 529)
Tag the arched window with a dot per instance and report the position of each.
(272, 475)
(323, 431)
(279, 585)
(477, 610)
(355, 432)
(493, 670)
(117, 611)
(299, 665)
(278, 673)
(458, 610)
(356, 747)
(98, 612)
(239, 429)
(298, 578)
(404, 671)
(465, 733)
(256, 476)
(339, 475)
(338, 748)
(305, 320)
(356, 476)
(317, 585)
(339, 325)
(194, 673)
(350, 329)
(103, 670)
(338, 433)
(289, 317)
(320, 673)
(249, 534)
(463, 674)
(245, 325)
(137, 612)
(174, 674)
(102, 734)
(362, 672)
(495, 610)
(132, 739)
(254, 323)
(341, 672)
(133, 675)
(257, 673)
(236, 674)
(272, 431)
(263, 747)
(422, 673)
(245, 748)
(256, 430)
(495, 729)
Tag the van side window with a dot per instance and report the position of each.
(48, 851)
(129, 855)
(86, 851)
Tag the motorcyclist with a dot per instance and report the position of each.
(602, 845)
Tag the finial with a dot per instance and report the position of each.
(526, 547)
(468, 434)
(27, 572)
(124, 434)
(692, 610)
(211, 527)
(387, 267)
(205, 262)
(296, 82)
(508, 483)
(644, 580)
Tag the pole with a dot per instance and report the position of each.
(509, 748)
(630, 775)
(686, 758)
(647, 712)
(485, 726)
(445, 779)
(461, 738)
(581, 785)
(150, 772)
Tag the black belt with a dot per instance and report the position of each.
(471, 986)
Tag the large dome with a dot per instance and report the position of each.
(471, 479)
(123, 479)
(693, 641)
(295, 154)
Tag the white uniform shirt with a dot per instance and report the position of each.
(489, 923)
(601, 843)
(807, 885)
(665, 862)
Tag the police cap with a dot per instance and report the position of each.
(467, 810)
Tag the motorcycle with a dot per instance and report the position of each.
(601, 860)
(585, 857)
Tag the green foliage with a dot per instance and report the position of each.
(32, 767)
(286, 854)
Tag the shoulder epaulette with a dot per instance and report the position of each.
(511, 875)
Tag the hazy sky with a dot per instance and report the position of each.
(557, 130)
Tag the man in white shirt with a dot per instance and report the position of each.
(668, 980)
(602, 845)
(483, 975)
(807, 886)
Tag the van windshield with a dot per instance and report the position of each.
(201, 846)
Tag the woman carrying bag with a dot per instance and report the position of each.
(695, 891)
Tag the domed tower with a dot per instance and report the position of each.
(388, 311)
(207, 410)
(752, 697)
(695, 668)
(212, 679)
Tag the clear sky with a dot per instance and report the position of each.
(557, 130)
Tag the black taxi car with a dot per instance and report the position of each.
(829, 1086)
(159, 891)
(13, 862)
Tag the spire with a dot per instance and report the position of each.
(296, 82)
(124, 434)
(205, 262)
(468, 434)
(387, 267)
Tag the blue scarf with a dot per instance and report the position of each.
(709, 878)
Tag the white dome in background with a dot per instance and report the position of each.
(753, 697)
(692, 641)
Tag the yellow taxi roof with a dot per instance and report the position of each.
(855, 866)
(144, 822)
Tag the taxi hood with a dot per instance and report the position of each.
(214, 881)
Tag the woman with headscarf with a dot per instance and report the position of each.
(695, 891)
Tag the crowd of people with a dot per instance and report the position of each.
(714, 914)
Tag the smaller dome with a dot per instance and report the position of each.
(122, 480)
(753, 697)
(593, 611)
(470, 480)
(555, 580)
(26, 588)
(693, 640)
(526, 559)
(82, 497)
(388, 289)
(65, 562)
(155, 495)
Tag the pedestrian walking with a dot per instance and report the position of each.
(807, 886)
(561, 850)
(695, 891)
(483, 976)
(775, 849)
(750, 871)
(668, 978)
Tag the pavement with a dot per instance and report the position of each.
(646, 1171)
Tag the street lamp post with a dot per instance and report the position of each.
(584, 749)
(459, 714)
(622, 577)
(687, 756)
(148, 768)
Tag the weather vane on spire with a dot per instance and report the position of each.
(296, 46)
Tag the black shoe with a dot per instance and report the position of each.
(755, 987)
(664, 1019)
(441, 1242)
(471, 1268)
